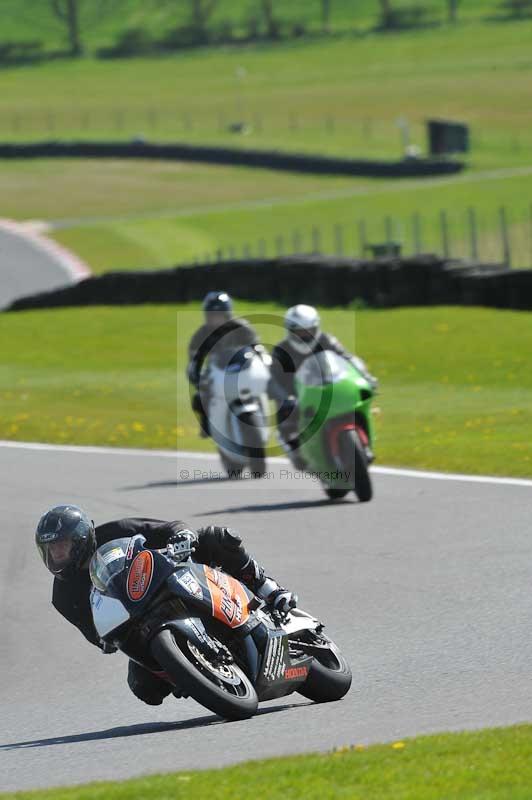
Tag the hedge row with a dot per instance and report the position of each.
(233, 156)
(326, 281)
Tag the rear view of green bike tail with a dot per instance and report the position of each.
(335, 427)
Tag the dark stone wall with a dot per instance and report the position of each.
(233, 156)
(319, 280)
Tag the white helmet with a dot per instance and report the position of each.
(303, 326)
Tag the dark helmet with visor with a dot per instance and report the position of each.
(218, 308)
(65, 539)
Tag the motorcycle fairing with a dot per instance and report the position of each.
(120, 585)
(108, 613)
(223, 597)
(279, 672)
(229, 598)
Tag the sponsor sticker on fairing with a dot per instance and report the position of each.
(291, 673)
(112, 555)
(189, 582)
(140, 575)
(96, 599)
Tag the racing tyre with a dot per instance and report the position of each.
(222, 688)
(336, 494)
(233, 468)
(330, 676)
(251, 425)
(355, 460)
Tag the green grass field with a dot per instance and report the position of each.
(456, 383)
(119, 215)
(334, 95)
(145, 216)
(484, 765)
(33, 20)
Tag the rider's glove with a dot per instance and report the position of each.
(282, 601)
(182, 544)
(279, 599)
(107, 648)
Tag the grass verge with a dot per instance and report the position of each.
(340, 95)
(456, 387)
(483, 765)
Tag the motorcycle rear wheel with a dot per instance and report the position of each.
(226, 690)
(336, 494)
(355, 460)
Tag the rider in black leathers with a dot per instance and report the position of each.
(66, 539)
(220, 332)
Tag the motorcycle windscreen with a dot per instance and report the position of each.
(229, 598)
(322, 368)
(108, 561)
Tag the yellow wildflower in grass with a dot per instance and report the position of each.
(398, 745)
(138, 427)
(340, 751)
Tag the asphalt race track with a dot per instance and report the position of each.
(427, 589)
(29, 265)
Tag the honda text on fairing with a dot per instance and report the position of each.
(236, 386)
(335, 428)
(206, 634)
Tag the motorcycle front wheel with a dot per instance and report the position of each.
(221, 687)
(250, 426)
(355, 461)
(234, 469)
(330, 676)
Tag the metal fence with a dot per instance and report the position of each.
(501, 238)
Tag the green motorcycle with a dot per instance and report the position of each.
(335, 427)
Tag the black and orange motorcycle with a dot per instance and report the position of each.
(206, 634)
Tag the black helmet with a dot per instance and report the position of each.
(217, 306)
(65, 539)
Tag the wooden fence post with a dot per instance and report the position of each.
(338, 240)
(505, 239)
(362, 237)
(444, 227)
(388, 232)
(473, 238)
(416, 233)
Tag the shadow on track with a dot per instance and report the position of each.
(139, 730)
(324, 502)
(174, 484)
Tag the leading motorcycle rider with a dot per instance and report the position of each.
(67, 539)
(304, 337)
(220, 331)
